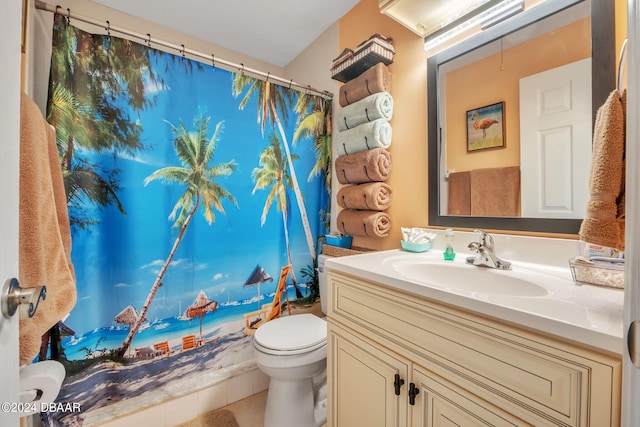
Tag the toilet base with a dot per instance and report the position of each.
(300, 403)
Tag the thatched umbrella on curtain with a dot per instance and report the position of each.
(127, 316)
(201, 306)
(258, 275)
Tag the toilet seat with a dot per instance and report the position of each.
(301, 333)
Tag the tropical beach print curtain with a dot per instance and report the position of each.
(189, 188)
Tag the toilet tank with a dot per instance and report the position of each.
(322, 282)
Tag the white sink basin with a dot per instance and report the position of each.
(457, 276)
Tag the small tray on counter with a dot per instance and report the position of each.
(607, 274)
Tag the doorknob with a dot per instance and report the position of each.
(13, 296)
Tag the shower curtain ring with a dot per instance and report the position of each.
(148, 40)
(267, 79)
(68, 16)
(290, 82)
(108, 29)
(182, 51)
(213, 60)
(242, 70)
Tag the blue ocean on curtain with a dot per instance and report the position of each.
(189, 189)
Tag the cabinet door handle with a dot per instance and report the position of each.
(397, 384)
(413, 392)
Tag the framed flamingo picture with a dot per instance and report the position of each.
(485, 127)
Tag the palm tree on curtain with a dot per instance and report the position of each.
(314, 120)
(95, 82)
(195, 150)
(271, 99)
(272, 174)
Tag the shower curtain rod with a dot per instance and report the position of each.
(231, 66)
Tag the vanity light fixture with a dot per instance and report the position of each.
(485, 15)
(508, 10)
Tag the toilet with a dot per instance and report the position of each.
(292, 351)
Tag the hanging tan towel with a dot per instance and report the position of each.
(495, 191)
(459, 193)
(45, 239)
(375, 79)
(363, 223)
(601, 224)
(365, 166)
(367, 136)
(372, 195)
(376, 106)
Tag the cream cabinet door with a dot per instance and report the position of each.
(440, 403)
(367, 383)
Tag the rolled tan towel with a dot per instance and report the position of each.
(367, 136)
(365, 166)
(372, 195)
(602, 224)
(375, 79)
(363, 223)
(376, 106)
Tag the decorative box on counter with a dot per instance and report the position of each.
(339, 240)
(609, 274)
(350, 64)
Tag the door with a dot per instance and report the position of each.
(440, 403)
(555, 141)
(631, 373)
(10, 19)
(367, 384)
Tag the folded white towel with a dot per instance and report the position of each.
(367, 136)
(376, 106)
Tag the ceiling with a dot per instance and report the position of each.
(274, 31)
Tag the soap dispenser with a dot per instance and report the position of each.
(449, 253)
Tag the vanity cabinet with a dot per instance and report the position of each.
(396, 359)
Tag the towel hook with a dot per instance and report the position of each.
(13, 296)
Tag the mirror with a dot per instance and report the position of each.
(541, 23)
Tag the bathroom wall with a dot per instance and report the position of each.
(409, 123)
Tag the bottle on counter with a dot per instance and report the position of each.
(449, 253)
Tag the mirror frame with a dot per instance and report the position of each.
(603, 82)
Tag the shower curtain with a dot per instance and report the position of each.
(184, 183)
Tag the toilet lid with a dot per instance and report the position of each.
(291, 333)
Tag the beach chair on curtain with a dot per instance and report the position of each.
(189, 342)
(270, 311)
(162, 347)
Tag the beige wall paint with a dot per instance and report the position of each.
(409, 123)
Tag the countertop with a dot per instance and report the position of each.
(589, 315)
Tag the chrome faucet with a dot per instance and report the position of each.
(485, 253)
